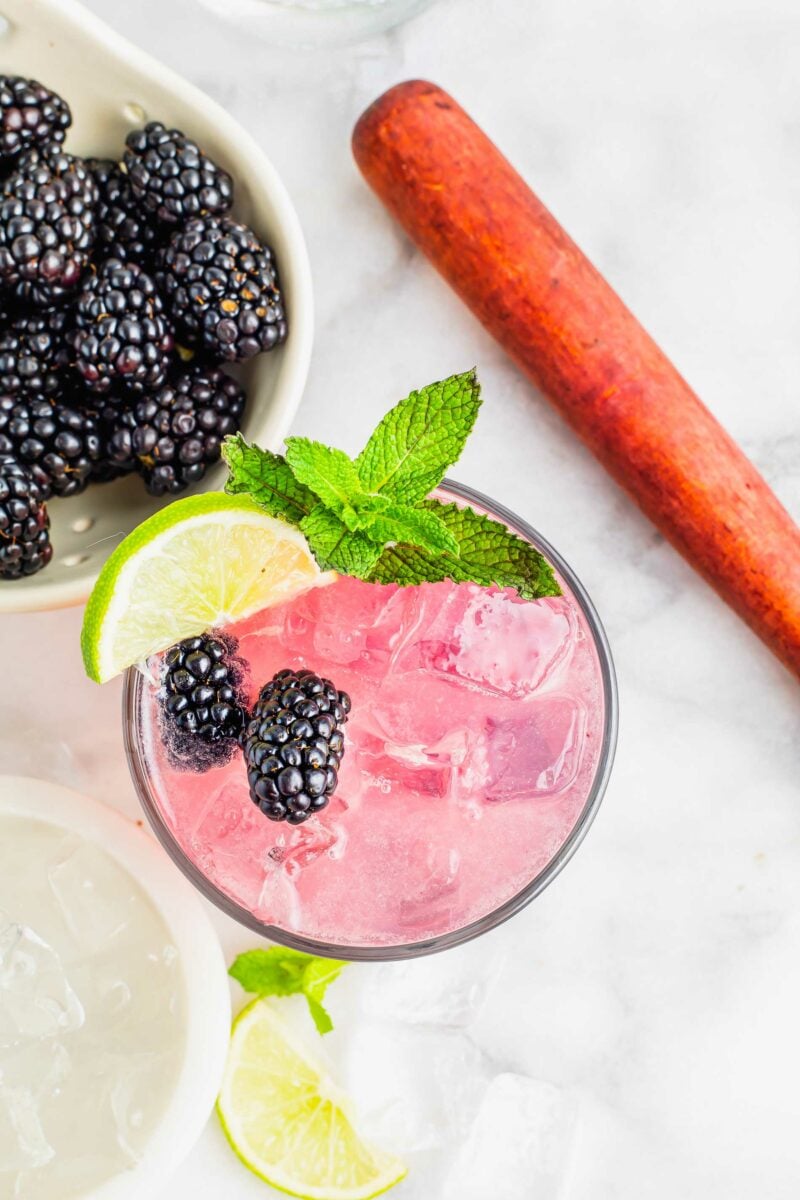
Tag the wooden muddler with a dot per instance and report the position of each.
(483, 228)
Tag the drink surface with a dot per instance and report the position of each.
(471, 748)
(91, 1014)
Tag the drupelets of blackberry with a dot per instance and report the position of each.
(123, 230)
(47, 226)
(171, 178)
(293, 745)
(24, 524)
(122, 334)
(220, 284)
(175, 434)
(60, 445)
(34, 355)
(201, 702)
(31, 115)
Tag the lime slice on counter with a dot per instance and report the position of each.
(287, 1121)
(201, 562)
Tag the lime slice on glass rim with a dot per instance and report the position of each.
(287, 1121)
(201, 562)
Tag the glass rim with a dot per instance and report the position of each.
(134, 681)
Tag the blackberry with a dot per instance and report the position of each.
(34, 354)
(221, 286)
(122, 230)
(293, 745)
(30, 115)
(47, 226)
(171, 178)
(176, 434)
(59, 444)
(122, 334)
(201, 702)
(24, 524)
(9, 311)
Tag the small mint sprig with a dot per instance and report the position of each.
(371, 517)
(280, 971)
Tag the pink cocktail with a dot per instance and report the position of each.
(477, 749)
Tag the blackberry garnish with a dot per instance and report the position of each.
(293, 745)
(176, 434)
(59, 444)
(201, 701)
(24, 524)
(171, 178)
(30, 115)
(122, 334)
(46, 226)
(221, 286)
(33, 353)
(123, 232)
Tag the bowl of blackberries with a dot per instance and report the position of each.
(135, 303)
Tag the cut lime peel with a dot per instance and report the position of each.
(329, 1096)
(109, 601)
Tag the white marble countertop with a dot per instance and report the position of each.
(658, 979)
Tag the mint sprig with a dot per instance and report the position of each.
(371, 517)
(280, 971)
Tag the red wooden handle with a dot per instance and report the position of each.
(508, 258)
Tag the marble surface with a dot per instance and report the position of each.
(658, 979)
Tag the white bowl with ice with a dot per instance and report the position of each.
(114, 1002)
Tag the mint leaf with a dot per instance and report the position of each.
(411, 449)
(488, 553)
(267, 478)
(283, 972)
(337, 548)
(319, 1015)
(330, 474)
(402, 523)
(274, 972)
(319, 974)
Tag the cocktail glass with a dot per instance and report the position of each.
(479, 746)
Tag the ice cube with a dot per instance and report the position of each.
(226, 828)
(40, 1064)
(442, 989)
(36, 998)
(519, 1144)
(132, 1083)
(436, 896)
(387, 766)
(118, 1111)
(293, 851)
(538, 752)
(413, 1089)
(297, 848)
(23, 1145)
(96, 896)
(493, 641)
(419, 708)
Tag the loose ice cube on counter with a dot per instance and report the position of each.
(36, 998)
(413, 1089)
(519, 1145)
(441, 989)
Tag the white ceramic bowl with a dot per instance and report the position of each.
(113, 87)
(208, 1012)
